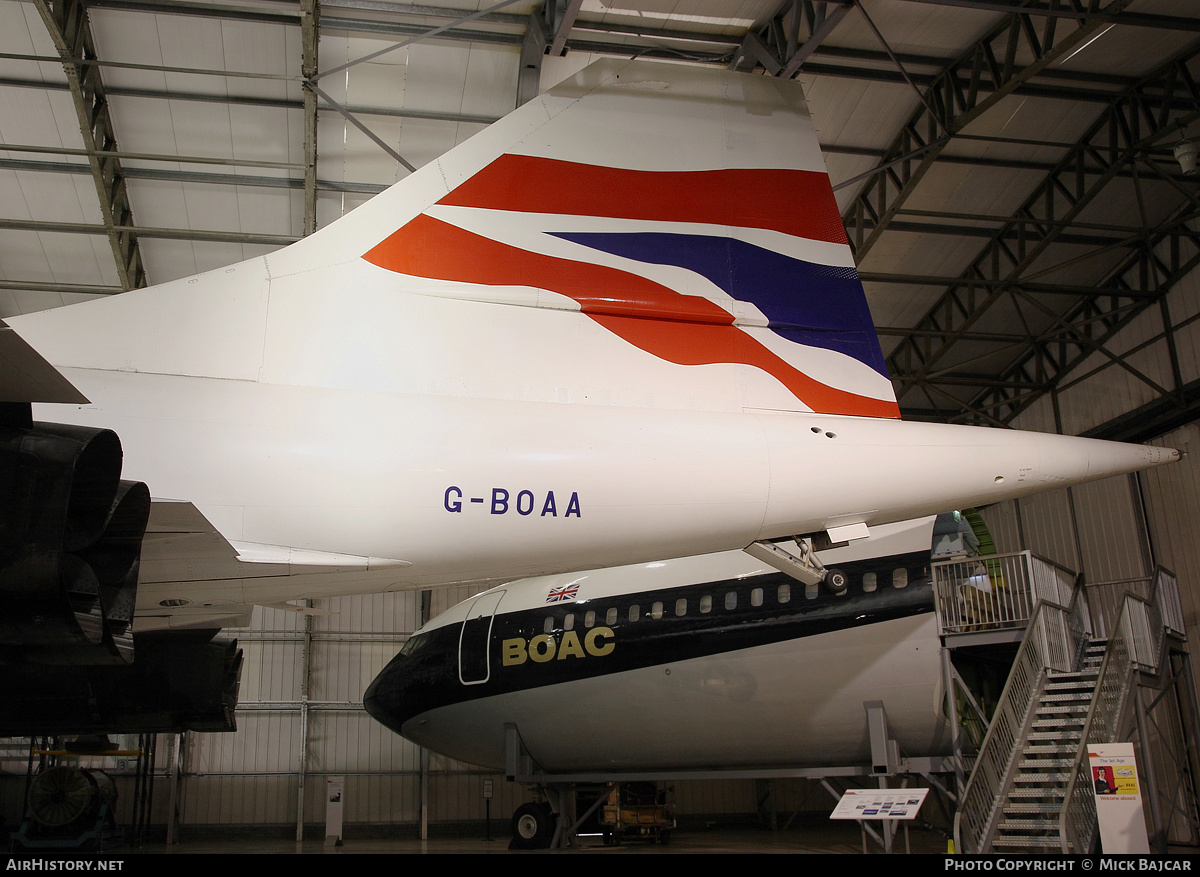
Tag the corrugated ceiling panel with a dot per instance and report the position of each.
(15, 302)
(983, 191)
(711, 16)
(893, 305)
(1041, 120)
(171, 259)
(1114, 390)
(22, 33)
(1135, 51)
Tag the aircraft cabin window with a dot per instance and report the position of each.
(870, 583)
(589, 620)
(811, 591)
(706, 604)
(785, 594)
(900, 578)
(634, 613)
(731, 599)
(756, 597)
(656, 610)
(548, 627)
(681, 606)
(569, 621)
(610, 617)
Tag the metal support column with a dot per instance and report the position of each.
(305, 670)
(175, 787)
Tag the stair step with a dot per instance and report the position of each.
(1032, 808)
(1015, 843)
(1046, 792)
(1073, 697)
(1085, 677)
(1065, 709)
(1066, 755)
(1043, 778)
(1033, 825)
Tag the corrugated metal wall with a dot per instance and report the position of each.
(1172, 496)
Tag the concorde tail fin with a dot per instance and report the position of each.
(687, 212)
(678, 221)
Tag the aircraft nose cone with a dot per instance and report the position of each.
(1115, 458)
(385, 697)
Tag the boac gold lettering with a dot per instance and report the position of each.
(590, 642)
(570, 645)
(513, 651)
(597, 642)
(541, 648)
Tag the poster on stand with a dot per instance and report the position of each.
(1118, 798)
(335, 788)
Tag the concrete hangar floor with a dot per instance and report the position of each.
(810, 834)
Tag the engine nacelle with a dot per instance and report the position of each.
(70, 542)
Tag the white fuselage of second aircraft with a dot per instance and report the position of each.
(702, 662)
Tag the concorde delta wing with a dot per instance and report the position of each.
(192, 577)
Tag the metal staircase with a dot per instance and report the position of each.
(1031, 811)
(1031, 788)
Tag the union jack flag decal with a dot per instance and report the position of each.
(560, 595)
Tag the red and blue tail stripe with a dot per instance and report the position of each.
(806, 302)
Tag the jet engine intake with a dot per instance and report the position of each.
(70, 542)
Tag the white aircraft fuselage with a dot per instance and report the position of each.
(579, 339)
(704, 662)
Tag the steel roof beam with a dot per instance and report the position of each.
(177, 234)
(533, 50)
(1075, 11)
(1094, 323)
(256, 101)
(987, 283)
(148, 156)
(49, 286)
(210, 179)
(310, 22)
(982, 76)
(69, 30)
(1112, 143)
(776, 45)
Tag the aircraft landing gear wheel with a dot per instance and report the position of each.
(532, 827)
(837, 582)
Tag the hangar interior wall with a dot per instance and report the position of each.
(253, 777)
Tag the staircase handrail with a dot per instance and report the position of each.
(996, 591)
(1137, 643)
(1054, 639)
